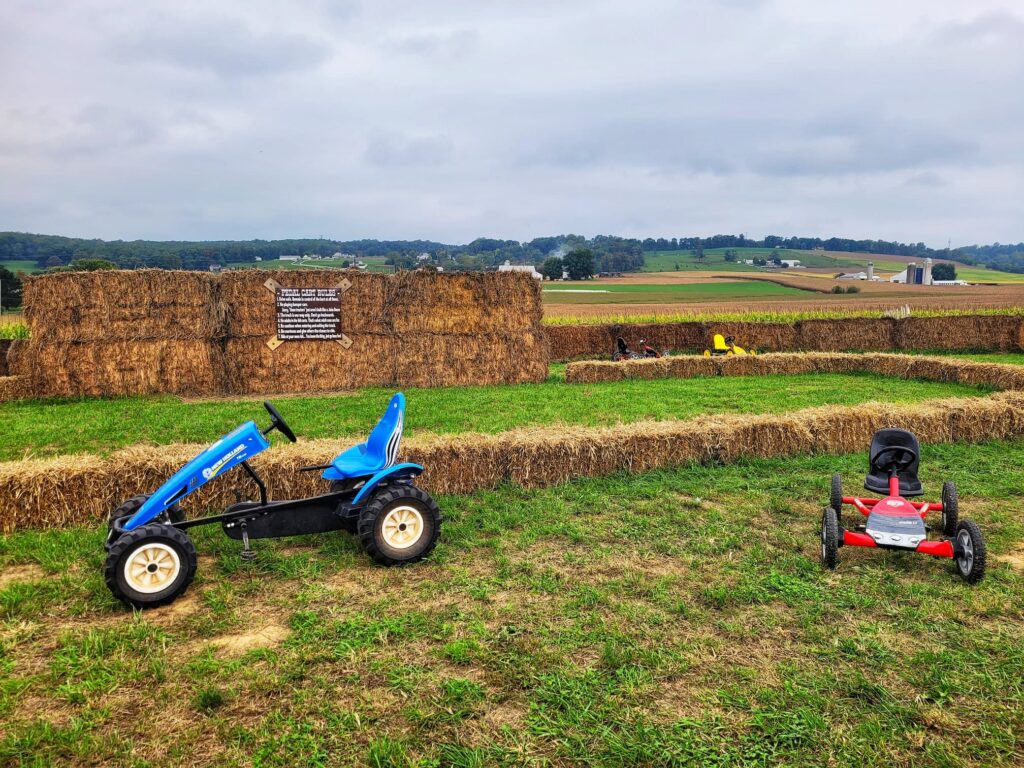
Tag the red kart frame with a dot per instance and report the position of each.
(943, 548)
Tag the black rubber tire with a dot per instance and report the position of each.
(971, 570)
(129, 543)
(829, 538)
(371, 521)
(835, 499)
(950, 508)
(616, 357)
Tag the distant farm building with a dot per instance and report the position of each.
(528, 268)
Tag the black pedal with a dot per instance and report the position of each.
(248, 554)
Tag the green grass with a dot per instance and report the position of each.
(11, 327)
(373, 264)
(99, 426)
(714, 259)
(20, 265)
(667, 619)
(640, 293)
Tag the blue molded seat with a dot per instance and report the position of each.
(379, 451)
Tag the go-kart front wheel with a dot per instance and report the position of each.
(150, 566)
(835, 499)
(400, 525)
(970, 551)
(950, 508)
(829, 538)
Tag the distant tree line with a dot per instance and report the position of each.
(610, 253)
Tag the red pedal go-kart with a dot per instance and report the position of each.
(894, 522)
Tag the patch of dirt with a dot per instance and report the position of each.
(1014, 559)
(13, 573)
(265, 637)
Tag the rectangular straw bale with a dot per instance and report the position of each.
(592, 371)
(857, 334)
(762, 436)
(249, 304)
(5, 368)
(991, 374)
(121, 367)
(977, 419)
(966, 332)
(122, 305)
(692, 366)
(466, 302)
(760, 337)
(569, 342)
(881, 364)
(13, 388)
(309, 366)
(439, 360)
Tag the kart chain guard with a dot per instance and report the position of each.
(290, 521)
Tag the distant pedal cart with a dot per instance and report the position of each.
(725, 346)
(893, 522)
(623, 352)
(151, 559)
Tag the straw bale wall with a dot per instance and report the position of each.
(955, 332)
(191, 333)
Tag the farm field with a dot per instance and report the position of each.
(373, 264)
(673, 618)
(20, 265)
(709, 293)
(602, 292)
(101, 425)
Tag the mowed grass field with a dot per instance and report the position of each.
(675, 618)
(20, 265)
(600, 292)
(58, 427)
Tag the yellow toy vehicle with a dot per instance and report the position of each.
(724, 346)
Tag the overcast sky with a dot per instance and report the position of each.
(894, 119)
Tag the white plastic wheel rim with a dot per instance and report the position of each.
(402, 527)
(152, 568)
(965, 561)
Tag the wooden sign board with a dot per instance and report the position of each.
(308, 314)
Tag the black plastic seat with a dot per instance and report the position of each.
(877, 479)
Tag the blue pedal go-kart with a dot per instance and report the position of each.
(151, 559)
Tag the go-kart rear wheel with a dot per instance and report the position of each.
(829, 538)
(150, 565)
(835, 498)
(950, 508)
(970, 548)
(400, 525)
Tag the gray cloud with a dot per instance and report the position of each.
(249, 118)
(221, 45)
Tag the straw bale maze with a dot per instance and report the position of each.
(628, 570)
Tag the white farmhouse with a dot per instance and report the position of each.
(528, 268)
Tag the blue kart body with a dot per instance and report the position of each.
(364, 467)
(151, 559)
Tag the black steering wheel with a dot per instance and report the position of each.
(277, 421)
(907, 457)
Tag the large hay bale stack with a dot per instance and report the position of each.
(122, 304)
(963, 332)
(123, 367)
(858, 334)
(151, 331)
